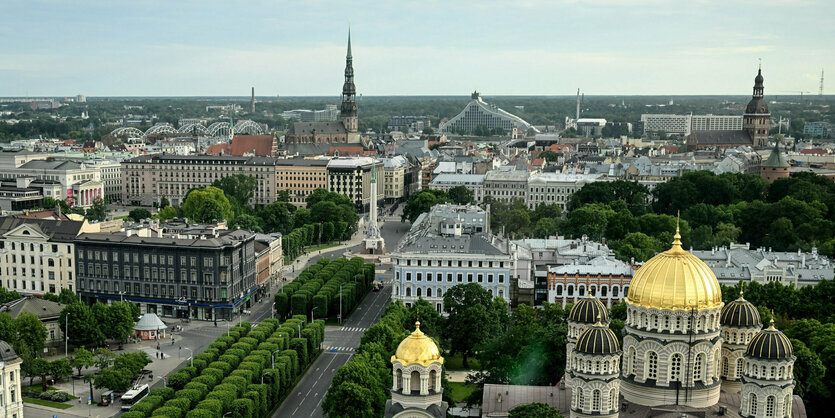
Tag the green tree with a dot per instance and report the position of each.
(82, 358)
(471, 318)
(534, 410)
(461, 195)
(550, 156)
(166, 213)
(118, 380)
(590, 220)
(207, 205)
(421, 202)
(103, 358)
(277, 217)
(139, 214)
(97, 211)
(30, 331)
(7, 330)
(637, 245)
(120, 321)
(349, 400)
(60, 368)
(248, 222)
(283, 196)
(239, 188)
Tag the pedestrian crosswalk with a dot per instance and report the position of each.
(354, 329)
(339, 349)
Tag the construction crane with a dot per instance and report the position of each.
(797, 91)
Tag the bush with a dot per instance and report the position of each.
(199, 413)
(166, 393)
(55, 396)
(178, 380)
(191, 371)
(201, 388)
(238, 382)
(246, 374)
(168, 412)
(225, 368)
(242, 408)
(230, 359)
(199, 364)
(143, 407)
(207, 379)
(223, 397)
(192, 395)
(181, 403)
(132, 414)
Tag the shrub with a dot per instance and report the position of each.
(191, 371)
(226, 368)
(177, 380)
(166, 393)
(199, 364)
(242, 408)
(192, 395)
(212, 405)
(168, 412)
(200, 413)
(237, 352)
(254, 367)
(246, 374)
(199, 387)
(300, 346)
(227, 387)
(207, 379)
(238, 382)
(182, 403)
(144, 407)
(132, 414)
(55, 396)
(245, 347)
(263, 395)
(223, 397)
(228, 358)
(249, 340)
(294, 361)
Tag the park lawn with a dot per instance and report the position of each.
(50, 404)
(320, 247)
(461, 390)
(456, 363)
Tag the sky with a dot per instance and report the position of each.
(421, 47)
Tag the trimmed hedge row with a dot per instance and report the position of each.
(235, 374)
(317, 287)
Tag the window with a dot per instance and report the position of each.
(697, 368)
(408, 276)
(632, 360)
(595, 401)
(420, 277)
(469, 277)
(652, 365)
(752, 404)
(460, 278)
(739, 365)
(480, 278)
(501, 278)
(725, 367)
(449, 277)
(675, 368)
(580, 400)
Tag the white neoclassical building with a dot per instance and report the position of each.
(417, 367)
(11, 403)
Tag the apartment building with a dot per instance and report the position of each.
(352, 177)
(206, 276)
(300, 177)
(37, 256)
(473, 182)
(10, 393)
(394, 179)
(506, 184)
(603, 277)
(448, 246)
(149, 178)
(556, 188)
(683, 125)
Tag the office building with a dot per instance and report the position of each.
(300, 177)
(473, 182)
(506, 184)
(818, 129)
(414, 124)
(79, 183)
(206, 276)
(448, 246)
(556, 188)
(683, 125)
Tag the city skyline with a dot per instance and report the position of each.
(430, 48)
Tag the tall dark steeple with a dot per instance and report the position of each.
(757, 120)
(348, 111)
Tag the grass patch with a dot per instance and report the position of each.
(456, 362)
(321, 247)
(38, 388)
(461, 390)
(50, 404)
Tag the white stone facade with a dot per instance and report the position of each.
(662, 351)
(767, 387)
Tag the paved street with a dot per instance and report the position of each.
(340, 341)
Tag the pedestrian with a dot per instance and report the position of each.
(172, 340)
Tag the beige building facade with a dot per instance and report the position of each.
(300, 177)
(11, 403)
(352, 177)
(149, 178)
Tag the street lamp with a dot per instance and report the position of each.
(273, 356)
(300, 330)
(122, 296)
(191, 355)
(263, 373)
(340, 303)
(311, 313)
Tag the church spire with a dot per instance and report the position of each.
(348, 109)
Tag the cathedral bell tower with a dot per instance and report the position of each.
(757, 120)
(348, 110)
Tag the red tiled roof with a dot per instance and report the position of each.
(259, 145)
(218, 149)
(538, 161)
(815, 151)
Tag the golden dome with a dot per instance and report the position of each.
(417, 348)
(675, 280)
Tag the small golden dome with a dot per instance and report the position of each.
(675, 280)
(417, 348)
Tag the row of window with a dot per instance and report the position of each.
(452, 263)
(578, 401)
(22, 246)
(95, 255)
(770, 401)
(675, 364)
(581, 290)
(438, 293)
(139, 289)
(440, 277)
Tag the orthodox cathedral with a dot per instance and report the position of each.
(684, 351)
